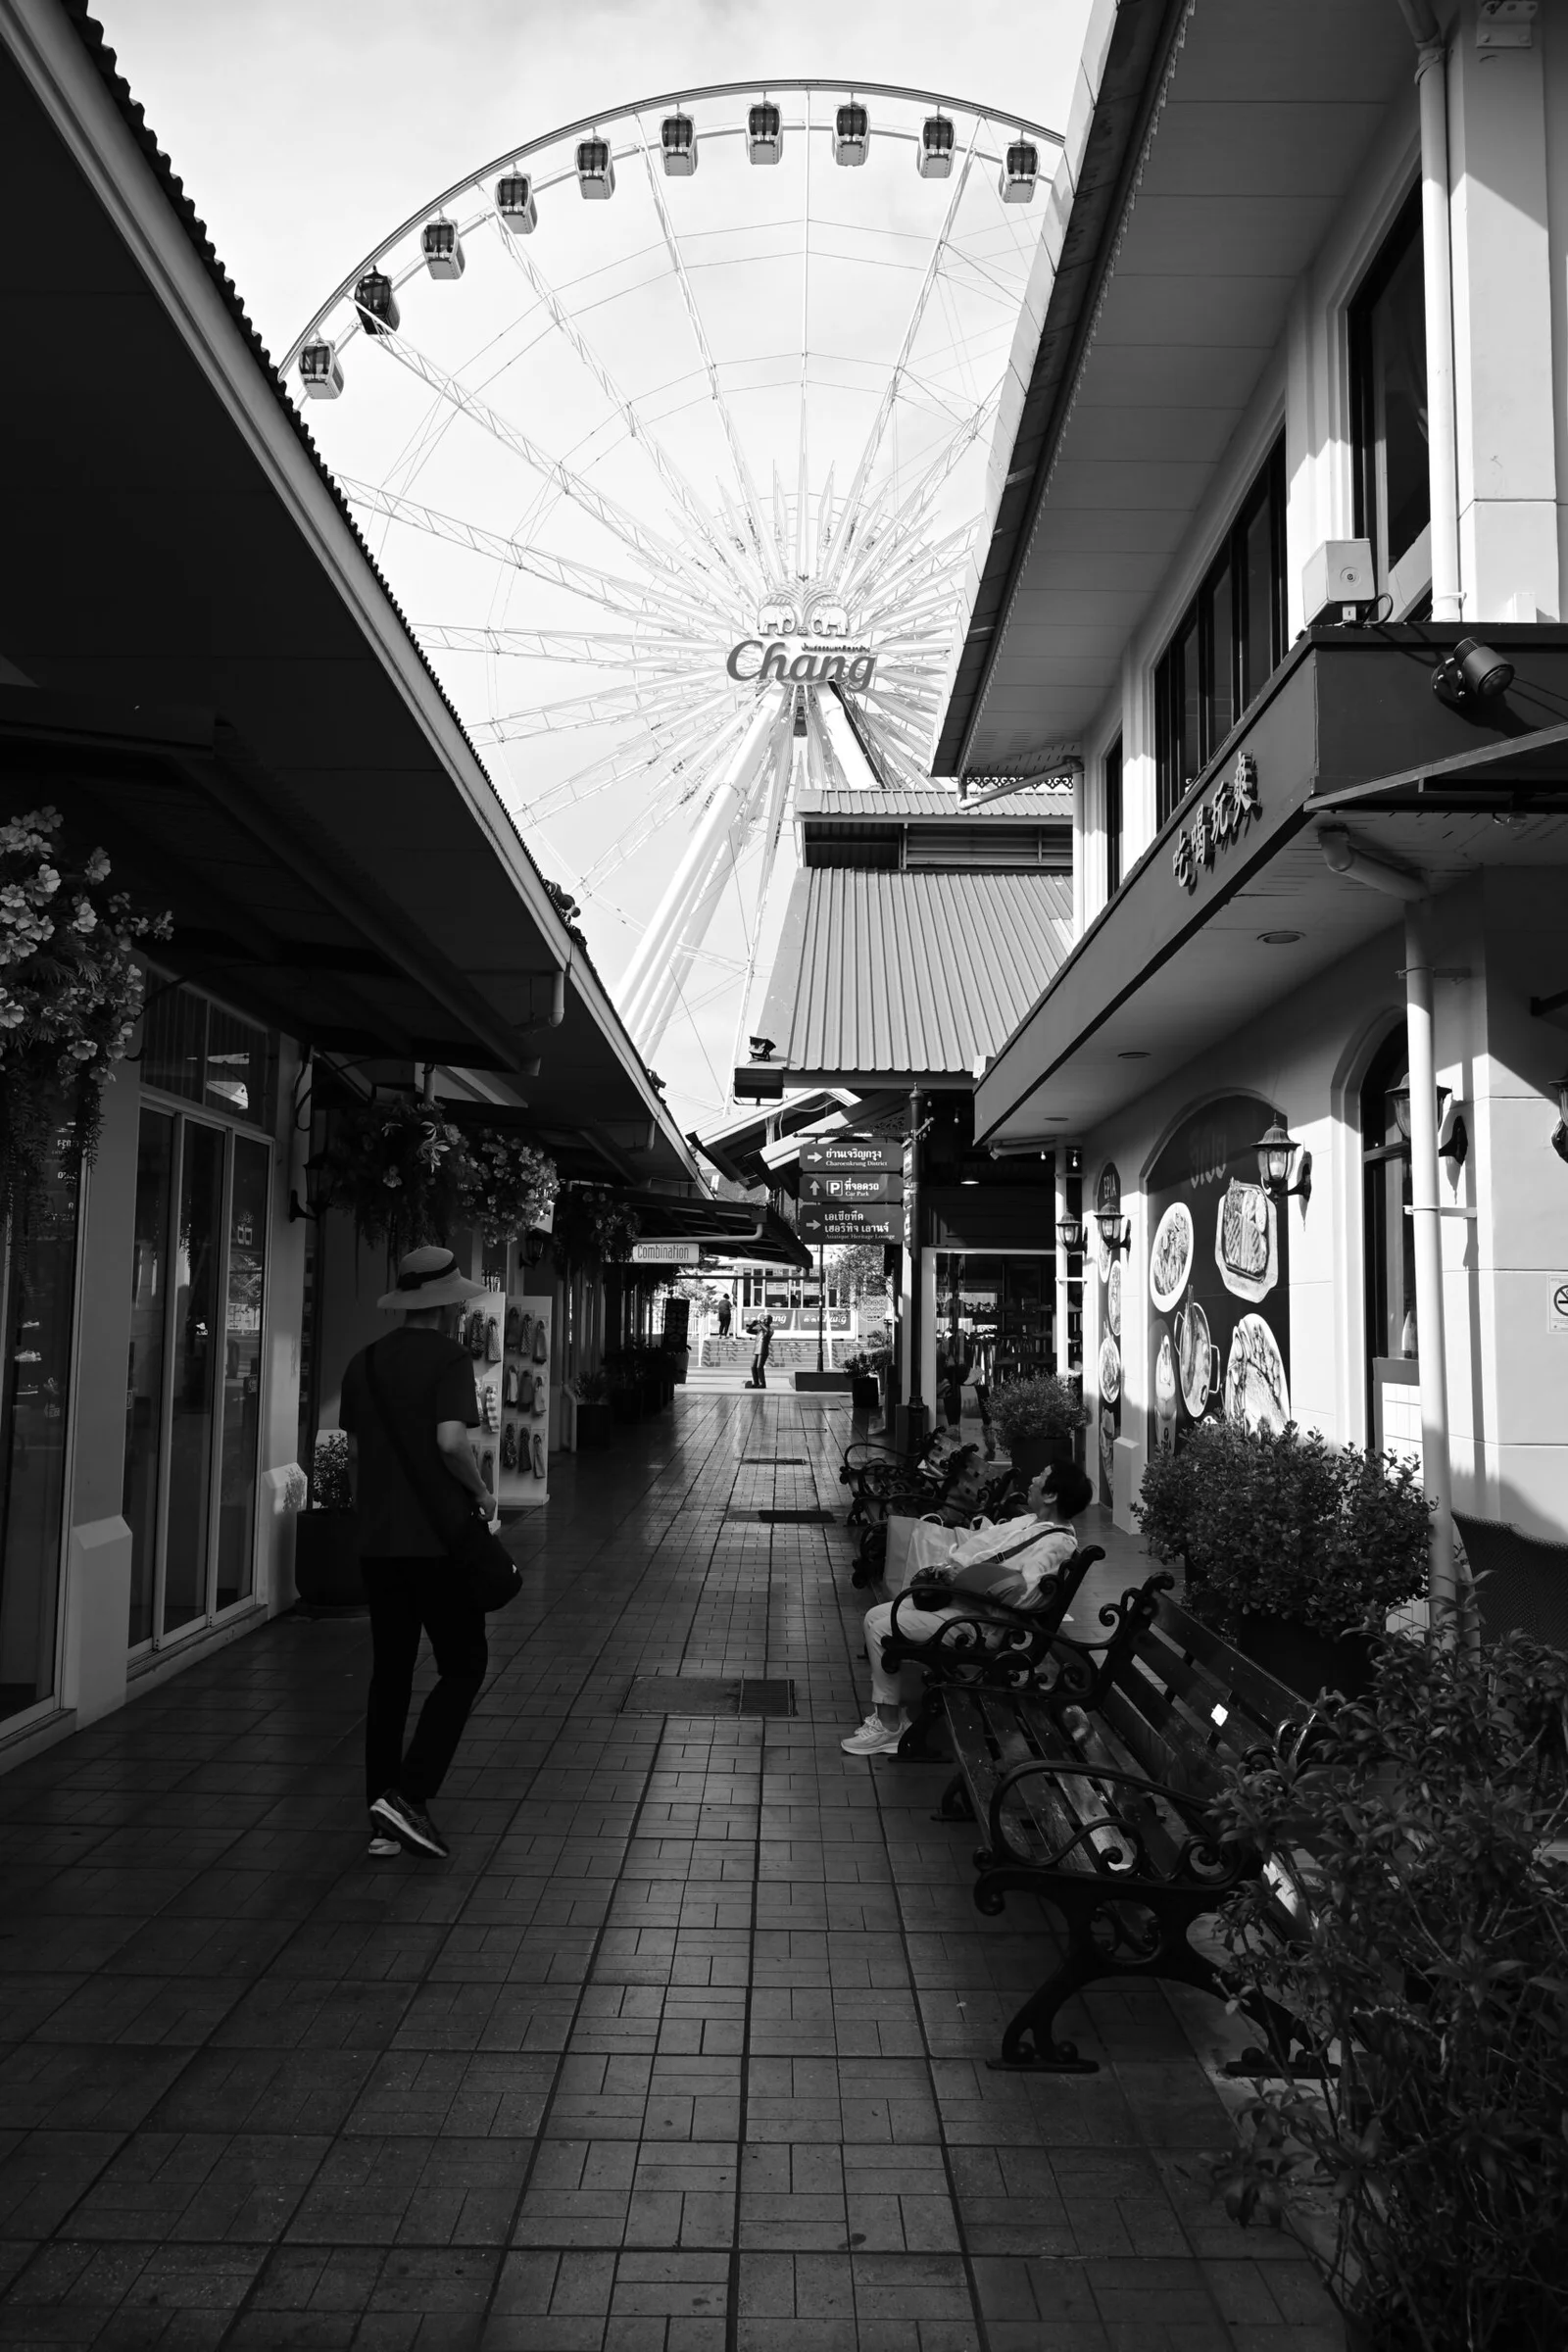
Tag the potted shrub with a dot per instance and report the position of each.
(1293, 1551)
(1038, 1421)
(327, 1533)
(1422, 2159)
(594, 1413)
(866, 1390)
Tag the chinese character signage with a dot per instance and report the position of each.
(1217, 822)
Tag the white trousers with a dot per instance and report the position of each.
(887, 1690)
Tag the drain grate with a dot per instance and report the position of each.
(775, 1462)
(709, 1694)
(788, 1518)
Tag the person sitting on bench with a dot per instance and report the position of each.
(1056, 1498)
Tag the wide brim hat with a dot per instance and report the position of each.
(430, 1277)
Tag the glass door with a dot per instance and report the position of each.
(193, 1401)
(38, 1293)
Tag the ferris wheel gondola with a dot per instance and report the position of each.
(669, 559)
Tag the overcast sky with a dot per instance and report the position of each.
(304, 128)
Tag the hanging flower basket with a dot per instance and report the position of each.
(398, 1170)
(71, 994)
(510, 1186)
(592, 1228)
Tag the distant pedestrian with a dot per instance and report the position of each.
(410, 1398)
(764, 1347)
(723, 1316)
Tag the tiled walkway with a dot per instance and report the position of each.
(684, 2050)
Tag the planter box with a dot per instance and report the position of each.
(326, 1561)
(626, 1405)
(1308, 1662)
(866, 1392)
(837, 1382)
(594, 1425)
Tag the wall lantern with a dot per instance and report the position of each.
(1458, 1146)
(1115, 1230)
(1070, 1233)
(1278, 1154)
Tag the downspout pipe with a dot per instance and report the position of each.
(1443, 429)
(1344, 858)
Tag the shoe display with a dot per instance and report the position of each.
(541, 1397)
(508, 1446)
(877, 1738)
(490, 1407)
(538, 1453)
(410, 1823)
(491, 1337)
(514, 1330)
(525, 1336)
(510, 1388)
(525, 1390)
(541, 1341)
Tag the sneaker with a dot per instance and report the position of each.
(382, 1848)
(410, 1823)
(875, 1738)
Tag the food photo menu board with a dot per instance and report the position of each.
(508, 1339)
(1109, 1268)
(1219, 1328)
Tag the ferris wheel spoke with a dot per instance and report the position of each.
(907, 518)
(643, 704)
(634, 598)
(844, 534)
(670, 985)
(664, 465)
(654, 551)
(676, 741)
(602, 649)
(683, 783)
(737, 454)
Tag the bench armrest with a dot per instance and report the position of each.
(1206, 1858)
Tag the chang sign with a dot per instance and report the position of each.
(752, 663)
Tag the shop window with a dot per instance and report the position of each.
(206, 1055)
(1228, 642)
(193, 1392)
(37, 1288)
(1392, 1339)
(1113, 819)
(1388, 392)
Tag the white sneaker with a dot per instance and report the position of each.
(875, 1738)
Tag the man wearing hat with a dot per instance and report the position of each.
(410, 1397)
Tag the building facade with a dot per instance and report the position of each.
(1277, 545)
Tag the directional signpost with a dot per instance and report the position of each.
(855, 1221)
(846, 1187)
(850, 1154)
(852, 1189)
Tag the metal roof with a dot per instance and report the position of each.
(886, 976)
(893, 807)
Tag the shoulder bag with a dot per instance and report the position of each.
(489, 1570)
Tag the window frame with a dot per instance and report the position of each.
(1177, 764)
(1111, 774)
(1404, 232)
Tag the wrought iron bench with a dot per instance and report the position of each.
(993, 1648)
(1095, 1795)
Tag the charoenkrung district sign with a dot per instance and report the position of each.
(813, 666)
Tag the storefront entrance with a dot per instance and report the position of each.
(198, 1300)
(997, 1314)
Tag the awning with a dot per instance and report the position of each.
(905, 979)
(204, 670)
(724, 1228)
(1348, 735)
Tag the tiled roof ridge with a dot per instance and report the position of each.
(93, 39)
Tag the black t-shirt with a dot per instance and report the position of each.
(422, 1379)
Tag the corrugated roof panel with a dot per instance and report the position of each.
(881, 974)
(892, 806)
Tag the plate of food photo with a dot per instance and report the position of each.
(1170, 1260)
(1247, 1240)
(1255, 1386)
(1109, 1370)
(1113, 1298)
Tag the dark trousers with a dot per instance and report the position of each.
(408, 1597)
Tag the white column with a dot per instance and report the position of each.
(1441, 432)
(1430, 1342)
(1063, 1292)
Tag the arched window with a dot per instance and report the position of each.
(1391, 1341)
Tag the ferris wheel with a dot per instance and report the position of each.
(679, 473)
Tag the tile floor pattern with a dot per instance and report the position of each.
(684, 2050)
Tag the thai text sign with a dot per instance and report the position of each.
(882, 1186)
(851, 1153)
(854, 1221)
(1217, 822)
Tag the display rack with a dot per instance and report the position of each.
(508, 1338)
